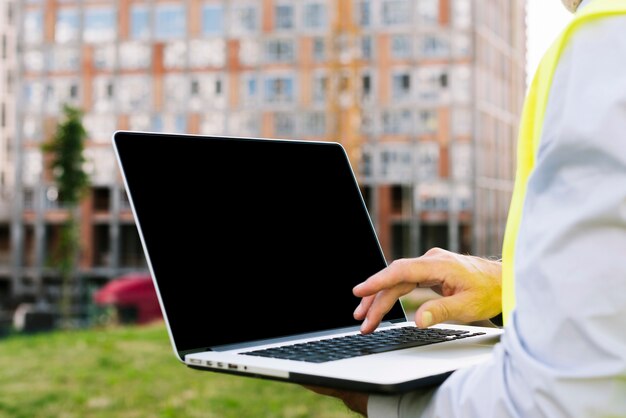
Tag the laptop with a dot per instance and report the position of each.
(254, 246)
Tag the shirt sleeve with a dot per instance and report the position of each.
(564, 352)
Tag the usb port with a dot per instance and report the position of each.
(232, 366)
(195, 361)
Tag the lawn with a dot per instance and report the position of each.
(132, 372)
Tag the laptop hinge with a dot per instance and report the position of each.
(183, 353)
(397, 321)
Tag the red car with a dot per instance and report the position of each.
(134, 298)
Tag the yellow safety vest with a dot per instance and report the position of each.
(531, 128)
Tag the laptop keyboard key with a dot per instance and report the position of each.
(360, 345)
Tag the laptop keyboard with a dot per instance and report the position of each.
(360, 345)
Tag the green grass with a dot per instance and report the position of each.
(132, 372)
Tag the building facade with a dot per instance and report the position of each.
(7, 128)
(424, 94)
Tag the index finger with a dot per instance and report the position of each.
(417, 271)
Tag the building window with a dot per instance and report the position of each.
(320, 88)
(33, 164)
(249, 90)
(315, 15)
(135, 55)
(428, 160)
(435, 197)
(461, 160)
(245, 19)
(279, 89)
(396, 163)
(368, 122)
(284, 16)
(284, 124)
(462, 84)
(461, 121)
(250, 52)
(135, 93)
(103, 165)
(428, 121)
(175, 97)
(401, 47)
(207, 53)
(156, 123)
(212, 19)
(104, 57)
(100, 25)
(33, 26)
(279, 50)
(67, 25)
(74, 91)
(364, 13)
(315, 124)
(171, 21)
(396, 12)
(319, 49)
(432, 83)
(100, 125)
(33, 92)
(64, 59)
(367, 51)
(139, 122)
(462, 45)
(463, 195)
(175, 55)
(32, 128)
(213, 124)
(243, 124)
(207, 91)
(10, 13)
(33, 61)
(366, 86)
(397, 122)
(401, 85)
(139, 22)
(104, 94)
(462, 13)
(174, 123)
(434, 46)
(428, 12)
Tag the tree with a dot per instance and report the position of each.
(67, 160)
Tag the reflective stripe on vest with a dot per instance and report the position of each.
(531, 128)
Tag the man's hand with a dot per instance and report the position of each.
(356, 401)
(471, 288)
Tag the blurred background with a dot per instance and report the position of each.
(425, 95)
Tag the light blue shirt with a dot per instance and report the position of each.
(564, 352)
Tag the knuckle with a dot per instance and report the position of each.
(434, 252)
(401, 267)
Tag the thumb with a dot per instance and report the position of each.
(439, 310)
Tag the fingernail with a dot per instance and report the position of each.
(357, 310)
(427, 319)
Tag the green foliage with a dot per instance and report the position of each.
(67, 147)
(132, 372)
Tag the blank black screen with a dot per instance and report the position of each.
(249, 239)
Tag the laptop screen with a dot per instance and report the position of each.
(249, 239)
